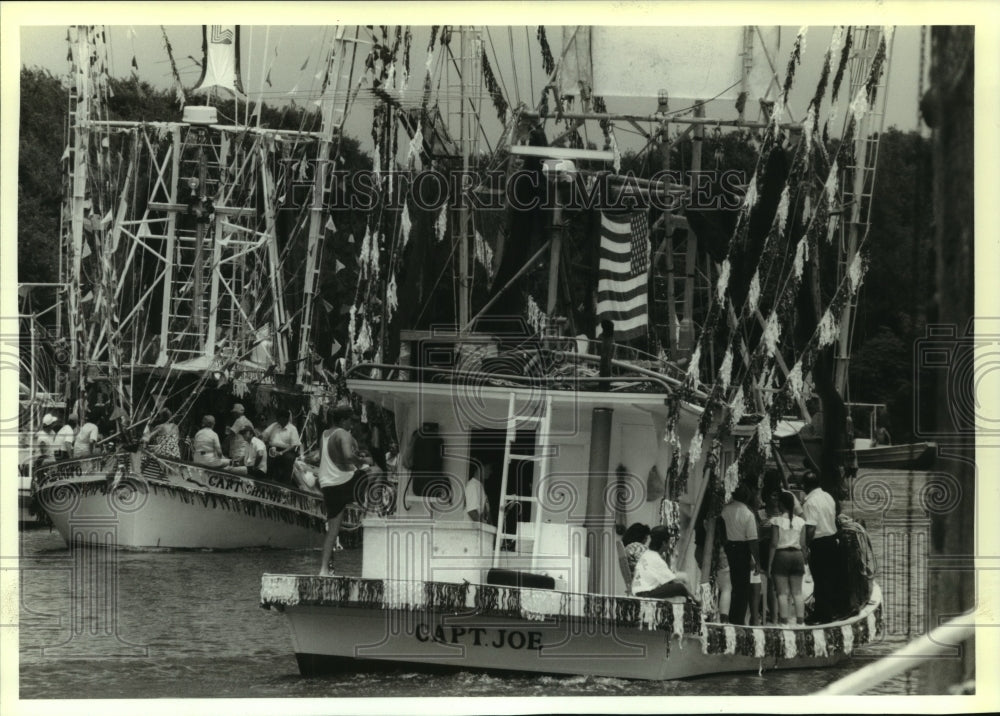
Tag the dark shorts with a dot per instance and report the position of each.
(788, 563)
(338, 497)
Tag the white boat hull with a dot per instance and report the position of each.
(100, 501)
(334, 624)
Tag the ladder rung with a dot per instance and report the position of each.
(519, 498)
(531, 458)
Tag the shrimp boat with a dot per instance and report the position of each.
(583, 430)
(182, 288)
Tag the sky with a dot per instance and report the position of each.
(280, 52)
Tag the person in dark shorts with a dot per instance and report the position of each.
(340, 467)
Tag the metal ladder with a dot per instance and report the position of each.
(541, 456)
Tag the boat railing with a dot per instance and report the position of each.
(461, 376)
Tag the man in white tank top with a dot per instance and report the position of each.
(338, 469)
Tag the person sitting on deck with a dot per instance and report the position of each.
(653, 577)
(477, 505)
(636, 542)
(255, 458)
(282, 439)
(164, 437)
(206, 448)
(65, 438)
(87, 438)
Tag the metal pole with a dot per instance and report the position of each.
(596, 520)
(464, 138)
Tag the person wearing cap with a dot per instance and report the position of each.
(86, 439)
(206, 447)
(255, 459)
(236, 446)
(340, 470)
(45, 439)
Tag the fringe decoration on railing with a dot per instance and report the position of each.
(792, 642)
(677, 618)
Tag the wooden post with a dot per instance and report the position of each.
(596, 520)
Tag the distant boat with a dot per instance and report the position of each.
(142, 501)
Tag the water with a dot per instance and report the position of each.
(188, 624)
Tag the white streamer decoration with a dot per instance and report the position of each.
(801, 38)
(391, 301)
(855, 272)
(819, 643)
(678, 609)
(859, 105)
(848, 634)
(413, 150)
(350, 326)
(441, 226)
(801, 251)
(782, 213)
(764, 436)
(616, 154)
(751, 197)
(738, 406)
(832, 182)
(536, 317)
(723, 282)
(364, 339)
(279, 589)
(807, 132)
(484, 254)
(406, 224)
(537, 604)
(692, 370)
(836, 42)
(788, 637)
(730, 633)
(365, 252)
(753, 293)
(373, 256)
(647, 614)
(758, 643)
(772, 333)
(694, 451)
(795, 380)
(726, 369)
(731, 480)
(828, 329)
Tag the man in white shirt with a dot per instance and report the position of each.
(86, 439)
(282, 438)
(653, 577)
(824, 552)
(45, 439)
(255, 457)
(477, 507)
(65, 438)
(742, 551)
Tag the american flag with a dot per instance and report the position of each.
(622, 280)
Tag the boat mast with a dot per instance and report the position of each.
(333, 120)
(857, 199)
(468, 111)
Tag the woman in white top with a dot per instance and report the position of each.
(788, 559)
(653, 576)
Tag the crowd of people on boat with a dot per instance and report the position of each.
(768, 537)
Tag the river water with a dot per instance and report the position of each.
(188, 624)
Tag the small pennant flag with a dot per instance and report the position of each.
(85, 251)
(335, 348)
(350, 239)
(268, 78)
(65, 155)
(340, 267)
(327, 306)
(135, 63)
(330, 226)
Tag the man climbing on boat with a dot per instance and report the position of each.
(340, 468)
